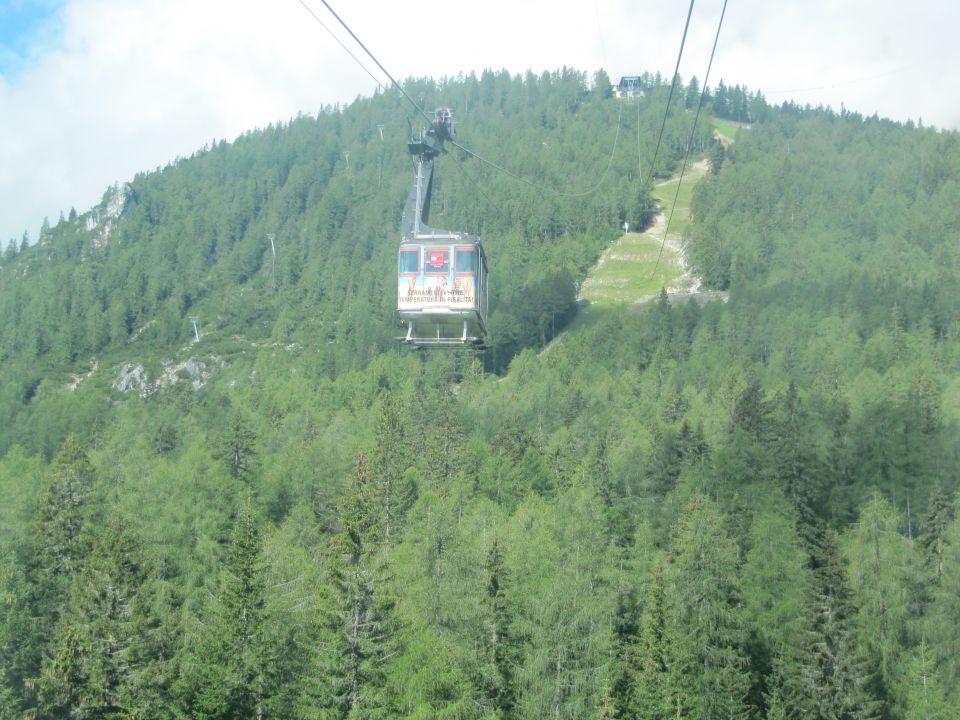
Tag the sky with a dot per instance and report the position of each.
(94, 91)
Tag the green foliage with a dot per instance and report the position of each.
(707, 671)
(60, 542)
(227, 671)
(360, 627)
(738, 509)
(236, 447)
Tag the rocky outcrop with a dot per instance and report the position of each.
(195, 371)
(132, 378)
(102, 219)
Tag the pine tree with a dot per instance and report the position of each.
(751, 412)
(650, 694)
(389, 465)
(626, 630)
(63, 679)
(664, 317)
(60, 543)
(501, 650)
(8, 702)
(607, 709)
(444, 456)
(835, 679)
(796, 465)
(51, 652)
(236, 446)
(774, 578)
(226, 673)
(359, 624)
(933, 532)
(885, 577)
(20, 638)
(99, 661)
(941, 628)
(706, 665)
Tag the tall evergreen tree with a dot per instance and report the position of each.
(236, 446)
(751, 413)
(942, 630)
(226, 674)
(886, 580)
(836, 681)
(501, 650)
(651, 695)
(360, 626)
(706, 664)
(933, 532)
(102, 662)
(60, 543)
(389, 465)
(926, 696)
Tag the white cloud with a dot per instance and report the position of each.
(130, 86)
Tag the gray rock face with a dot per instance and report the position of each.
(193, 370)
(105, 216)
(132, 378)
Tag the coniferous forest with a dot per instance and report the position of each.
(741, 509)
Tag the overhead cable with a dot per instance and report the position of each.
(673, 85)
(454, 143)
(340, 43)
(693, 132)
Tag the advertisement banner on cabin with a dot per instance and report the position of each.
(416, 292)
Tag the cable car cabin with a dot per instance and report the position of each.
(442, 274)
(442, 290)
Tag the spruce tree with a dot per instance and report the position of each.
(650, 694)
(236, 446)
(19, 639)
(707, 668)
(751, 412)
(836, 681)
(60, 542)
(501, 650)
(360, 633)
(626, 628)
(926, 697)
(391, 460)
(102, 650)
(942, 629)
(60, 545)
(795, 462)
(226, 673)
(63, 682)
(933, 532)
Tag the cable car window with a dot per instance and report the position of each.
(438, 261)
(466, 260)
(410, 261)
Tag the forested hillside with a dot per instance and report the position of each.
(740, 510)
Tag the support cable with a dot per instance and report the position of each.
(372, 57)
(340, 43)
(673, 86)
(693, 132)
(422, 112)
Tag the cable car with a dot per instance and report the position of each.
(442, 289)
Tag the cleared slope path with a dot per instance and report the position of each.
(628, 272)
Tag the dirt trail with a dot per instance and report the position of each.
(688, 282)
(644, 247)
(635, 266)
